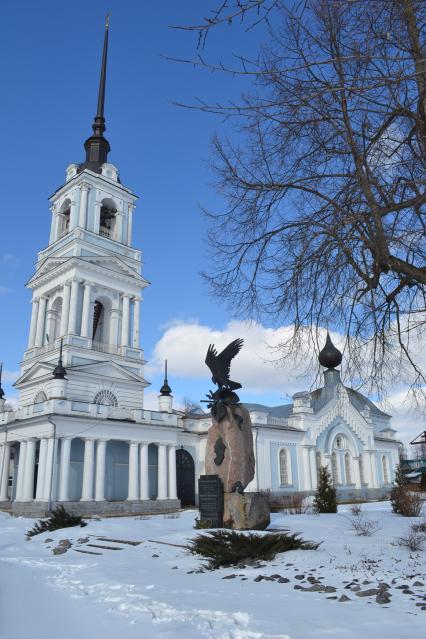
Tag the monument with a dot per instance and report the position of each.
(229, 450)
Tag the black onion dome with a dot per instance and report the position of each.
(330, 356)
(165, 389)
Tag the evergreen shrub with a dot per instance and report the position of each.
(325, 496)
(58, 518)
(228, 547)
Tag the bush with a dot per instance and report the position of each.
(405, 502)
(294, 504)
(325, 497)
(413, 540)
(365, 527)
(356, 509)
(228, 547)
(423, 482)
(58, 518)
(420, 528)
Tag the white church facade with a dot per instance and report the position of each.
(81, 436)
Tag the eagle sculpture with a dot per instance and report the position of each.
(220, 365)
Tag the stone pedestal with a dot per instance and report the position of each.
(229, 450)
(249, 511)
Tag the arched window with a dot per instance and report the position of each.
(334, 471)
(107, 219)
(105, 398)
(385, 469)
(40, 397)
(284, 468)
(348, 472)
(55, 325)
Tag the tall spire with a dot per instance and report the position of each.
(1, 390)
(165, 390)
(97, 147)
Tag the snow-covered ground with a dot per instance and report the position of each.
(157, 590)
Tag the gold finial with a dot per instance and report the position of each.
(107, 21)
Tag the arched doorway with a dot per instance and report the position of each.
(185, 476)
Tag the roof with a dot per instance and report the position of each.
(357, 399)
(284, 410)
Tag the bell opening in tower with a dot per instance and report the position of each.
(98, 322)
(107, 220)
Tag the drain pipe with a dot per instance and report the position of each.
(49, 500)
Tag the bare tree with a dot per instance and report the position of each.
(324, 223)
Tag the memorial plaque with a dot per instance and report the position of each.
(210, 491)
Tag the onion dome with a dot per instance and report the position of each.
(1, 389)
(59, 371)
(165, 390)
(330, 356)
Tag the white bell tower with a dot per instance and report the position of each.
(87, 286)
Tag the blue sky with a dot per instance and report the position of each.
(50, 66)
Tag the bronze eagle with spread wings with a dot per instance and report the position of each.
(220, 365)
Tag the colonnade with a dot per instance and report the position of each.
(43, 318)
(77, 205)
(362, 469)
(94, 470)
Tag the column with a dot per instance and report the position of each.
(28, 487)
(306, 466)
(313, 464)
(374, 483)
(97, 215)
(72, 321)
(21, 470)
(73, 214)
(162, 471)
(100, 470)
(50, 325)
(366, 466)
(4, 478)
(172, 472)
(48, 471)
(52, 236)
(33, 325)
(118, 234)
(41, 469)
(125, 324)
(114, 322)
(129, 224)
(82, 216)
(133, 492)
(143, 468)
(64, 470)
(66, 293)
(88, 470)
(357, 476)
(136, 321)
(40, 321)
(85, 318)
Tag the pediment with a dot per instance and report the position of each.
(35, 373)
(108, 369)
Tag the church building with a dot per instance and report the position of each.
(81, 436)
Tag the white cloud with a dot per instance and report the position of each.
(4, 289)
(256, 367)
